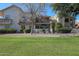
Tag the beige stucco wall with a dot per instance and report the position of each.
(15, 14)
(58, 20)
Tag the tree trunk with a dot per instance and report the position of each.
(24, 31)
(32, 28)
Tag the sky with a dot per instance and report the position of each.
(50, 12)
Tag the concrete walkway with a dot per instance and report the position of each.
(42, 35)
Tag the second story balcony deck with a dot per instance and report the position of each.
(5, 21)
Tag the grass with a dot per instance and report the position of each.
(38, 46)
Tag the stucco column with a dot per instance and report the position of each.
(51, 27)
(63, 22)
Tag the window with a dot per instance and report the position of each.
(7, 17)
(66, 20)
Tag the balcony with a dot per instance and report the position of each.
(5, 21)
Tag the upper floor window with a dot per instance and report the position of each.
(7, 17)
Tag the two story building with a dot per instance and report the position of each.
(10, 17)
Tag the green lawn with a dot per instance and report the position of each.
(35, 46)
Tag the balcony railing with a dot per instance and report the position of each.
(5, 21)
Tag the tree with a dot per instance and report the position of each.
(22, 23)
(66, 10)
(35, 11)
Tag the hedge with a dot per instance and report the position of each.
(8, 30)
(27, 31)
(64, 30)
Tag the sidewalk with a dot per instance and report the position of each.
(42, 35)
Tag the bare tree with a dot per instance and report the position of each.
(36, 10)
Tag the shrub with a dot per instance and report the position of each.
(28, 30)
(21, 31)
(58, 26)
(64, 30)
(8, 30)
(43, 30)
